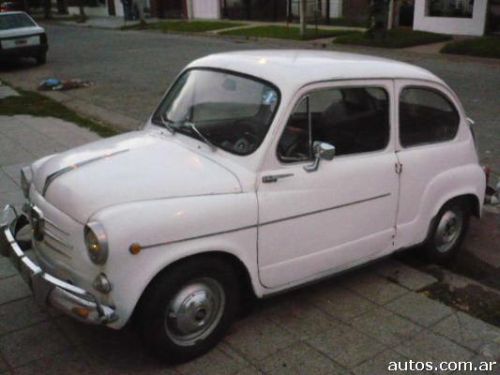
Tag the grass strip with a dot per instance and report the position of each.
(35, 104)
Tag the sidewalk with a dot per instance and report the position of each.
(105, 22)
(113, 22)
(354, 324)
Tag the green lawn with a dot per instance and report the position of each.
(396, 38)
(283, 32)
(32, 103)
(185, 26)
(348, 22)
(487, 46)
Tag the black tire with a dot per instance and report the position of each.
(41, 58)
(447, 232)
(181, 285)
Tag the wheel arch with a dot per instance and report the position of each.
(471, 202)
(242, 273)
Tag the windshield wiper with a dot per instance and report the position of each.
(166, 122)
(191, 125)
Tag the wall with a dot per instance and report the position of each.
(98, 11)
(335, 8)
(451, 25)
(204, 9)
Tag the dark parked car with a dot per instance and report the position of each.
(20, 36)
(9, 6)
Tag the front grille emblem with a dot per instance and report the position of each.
(37, 222)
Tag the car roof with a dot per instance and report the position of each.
(286, 68)
(12, 12)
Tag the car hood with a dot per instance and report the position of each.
(137, 166)
(21, 31)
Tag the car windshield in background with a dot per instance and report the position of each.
(222, 109)
(15, 21)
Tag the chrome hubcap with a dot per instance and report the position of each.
(194, 312)
(448, 230)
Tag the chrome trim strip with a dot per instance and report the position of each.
(52, 247)
(326, 209)
(58, 240)
(52, 224)
(198, 237)
(50, 178)
(266, 223)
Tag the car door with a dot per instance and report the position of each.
(428, 145)
(342, 214)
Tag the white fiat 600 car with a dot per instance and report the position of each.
(259, 171)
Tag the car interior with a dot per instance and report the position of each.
(426, 117)
(240, 132)
(353, 120)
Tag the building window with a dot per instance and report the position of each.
(450, 8)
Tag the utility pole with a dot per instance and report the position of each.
(328, 11)
(303, 18)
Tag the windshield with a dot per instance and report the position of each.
(15, 21)
(224, 110)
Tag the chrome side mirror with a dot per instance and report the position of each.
(322, 150)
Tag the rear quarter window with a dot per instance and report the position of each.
(426, 116)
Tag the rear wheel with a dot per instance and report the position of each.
(448, 232)
(187, 310)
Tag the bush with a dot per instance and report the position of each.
(488, 46)
(395, 38)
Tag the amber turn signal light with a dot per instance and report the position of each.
(82, 312)
(135, 249)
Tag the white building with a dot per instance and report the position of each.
(457, 17)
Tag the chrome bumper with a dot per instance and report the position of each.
(47, 289)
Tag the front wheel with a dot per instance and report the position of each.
(187, 310)
(448, 232)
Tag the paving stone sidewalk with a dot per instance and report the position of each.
(353, 324)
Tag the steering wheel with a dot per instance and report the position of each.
(249, 140)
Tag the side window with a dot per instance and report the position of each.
(426, 116)
(353, 119)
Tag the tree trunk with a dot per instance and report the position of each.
(302, 18)
(327, 11)
(47, 9)
(81, 5)
(62, 7)
(140, 8)
(224, 9)
(390, 16)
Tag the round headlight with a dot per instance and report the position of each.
(96, 242)
(26, 178)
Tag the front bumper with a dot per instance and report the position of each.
(47, 289)
(28, 51)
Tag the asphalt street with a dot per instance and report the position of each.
(132, 69)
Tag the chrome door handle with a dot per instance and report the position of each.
(275, 177)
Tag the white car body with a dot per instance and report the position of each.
(176, 197)
(27, 41)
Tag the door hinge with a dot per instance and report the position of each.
(399, 168)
